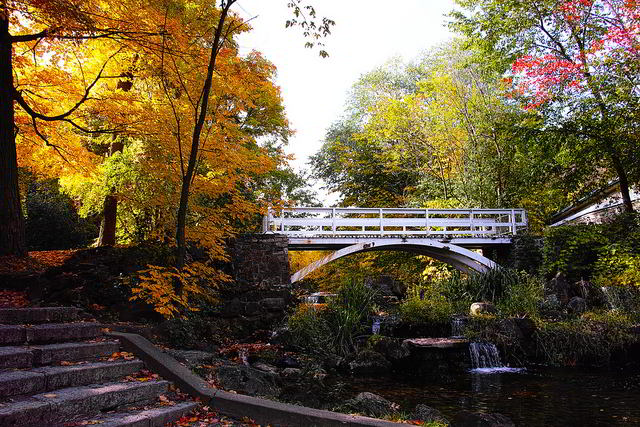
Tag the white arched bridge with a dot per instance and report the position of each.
(453, 236)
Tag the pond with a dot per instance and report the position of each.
(536, 397)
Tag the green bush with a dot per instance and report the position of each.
(489, 286)
(425, 306)
(333, 329)
(573, 250)
(523, 296)
(347, 313)
(590, 339)
(52, 222)
(310, 330)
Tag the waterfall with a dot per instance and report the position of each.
(375, 327)
(457, 327)
(486, 359)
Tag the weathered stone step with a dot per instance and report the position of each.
(51, 378)
(155, 417)
(15, 357)
(68, 404)
(72, 352)
(35, 315)
(48, 333)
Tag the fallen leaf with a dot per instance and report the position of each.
(50, 395)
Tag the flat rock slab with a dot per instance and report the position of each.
(53, 353)
(15, 357)
(443, 343)
(35, 315)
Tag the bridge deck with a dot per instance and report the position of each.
(335, 228)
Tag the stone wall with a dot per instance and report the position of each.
(260, 291)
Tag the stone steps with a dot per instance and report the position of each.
(53, 371)
(51, 378)
(48, 333)
(155, 417)
(27, 356)
(37, 315)
(68, 404)
(71, 352)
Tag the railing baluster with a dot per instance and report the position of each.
(381, 223)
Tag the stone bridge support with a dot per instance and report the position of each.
(258, 296)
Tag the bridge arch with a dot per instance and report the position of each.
(462, 259)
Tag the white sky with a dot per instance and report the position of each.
(367, 33)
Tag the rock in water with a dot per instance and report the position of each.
(428, 414)
(371, 404)
(480, 419)
(369, 362)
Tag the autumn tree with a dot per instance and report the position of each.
(54, 57)
(576, 62)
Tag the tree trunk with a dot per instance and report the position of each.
(110, 208)
(12, 234)
(187, 178)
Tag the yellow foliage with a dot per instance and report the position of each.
(196, 281)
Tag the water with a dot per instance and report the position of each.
(539, 397)
(457, 327)
(485, 359)
(375, 328)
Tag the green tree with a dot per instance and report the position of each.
(576, 62)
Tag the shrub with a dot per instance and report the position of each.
(573, 250)
(590, 339)
(618, 266)
(347, 312)
(523, 296)
(334, 328)
(310, 331)
(425, 306)
(52, 222)
(489, 286)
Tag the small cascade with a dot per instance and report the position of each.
(375, 327)
(485, 359)
(457, 327)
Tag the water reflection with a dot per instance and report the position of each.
(538, 397)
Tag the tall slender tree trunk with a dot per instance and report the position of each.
(187, 178)
(12, 235)
(110, 207)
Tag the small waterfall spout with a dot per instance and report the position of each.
(485, 359)
(457, 327)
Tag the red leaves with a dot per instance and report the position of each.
(13, 299)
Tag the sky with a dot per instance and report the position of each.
(367, 34)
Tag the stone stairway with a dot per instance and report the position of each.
(56, 370)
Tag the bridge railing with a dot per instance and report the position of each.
(448, 223)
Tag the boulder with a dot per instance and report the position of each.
(593, 294)
(371, 404)
(478, 308)
(291, 373)
(480, 419)
(428, 414)
(369, 362)
(391, 348)
(265, 367)
(577, 306)
(560, 287)
(246, 380)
